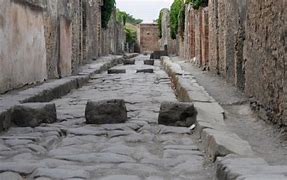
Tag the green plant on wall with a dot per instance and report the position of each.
(181, 20)
(107, 10)
(174, 13)
(197, 3)
(159, 24)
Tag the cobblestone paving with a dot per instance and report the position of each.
(137, 149)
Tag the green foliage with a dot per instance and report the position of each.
(131, 35)
(159, 24)
(181, 19)
(127, 18)
(197, 3)
(174, 13)
(107, 10)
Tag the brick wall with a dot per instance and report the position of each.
(204, 37)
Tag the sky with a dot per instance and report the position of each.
(147, 10)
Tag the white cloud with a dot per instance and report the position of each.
(147, 10)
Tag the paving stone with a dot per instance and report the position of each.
(33, 114)
(106, 112)
(119, 149)
(120, 177)
(116, 71)
(10, 176)
(22, 168)
(149, 62)
(60, 173)
(97, 158)
(82, 131)
(177, 114)
(173, 130)
(145, 71)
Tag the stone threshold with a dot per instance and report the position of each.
(232, 155)
(55, 88)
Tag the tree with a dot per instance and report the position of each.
(107, 10)
(174, 13)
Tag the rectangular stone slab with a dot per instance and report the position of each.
(116, 71)
(149, 62)
(145, 71)
(106, 112)
(177, 114)
(33, 114)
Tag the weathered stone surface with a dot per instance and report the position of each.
(177, 114)
(158, 54)
(149, 62)
(33, 114)
(120, 177)
(22, 168)
(129, 61)
(106, 112)
(10, 176)
(145, 71)
(58, 173)
(116, 71)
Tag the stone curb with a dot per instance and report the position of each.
(217, 140)
(55, 88)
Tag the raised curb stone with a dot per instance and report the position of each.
(106, 112)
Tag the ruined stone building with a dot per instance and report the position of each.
(46, 39)
(148, 37)
(166, 41)
(243, 41)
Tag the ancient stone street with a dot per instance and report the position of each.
(137, 149)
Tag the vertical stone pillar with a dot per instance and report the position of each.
(213, 35)
(65, 65)
(204, 37)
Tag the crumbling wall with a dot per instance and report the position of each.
(265, 56)
(148, 37)
(22, 47)
(113, 37)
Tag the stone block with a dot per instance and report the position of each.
(33, 114)
(145, 71)
(116, 71)
(158, 54)
(106, 112)
(177, 114)
(149, 62)
(129, 61)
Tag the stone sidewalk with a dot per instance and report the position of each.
(137, 149)
(234, 157)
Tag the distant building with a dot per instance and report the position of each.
(148, 37)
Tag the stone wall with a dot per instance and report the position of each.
(42, 39)
(243, 41)
(113, 38)
(265, 55)
(22, 45)
(148, 37)
(166, 40)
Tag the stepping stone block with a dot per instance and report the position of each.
(116, 71)
(129, 61)
(177, 114)
(33, 114)
(145, 71)
(149, 62)
(106, 112)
